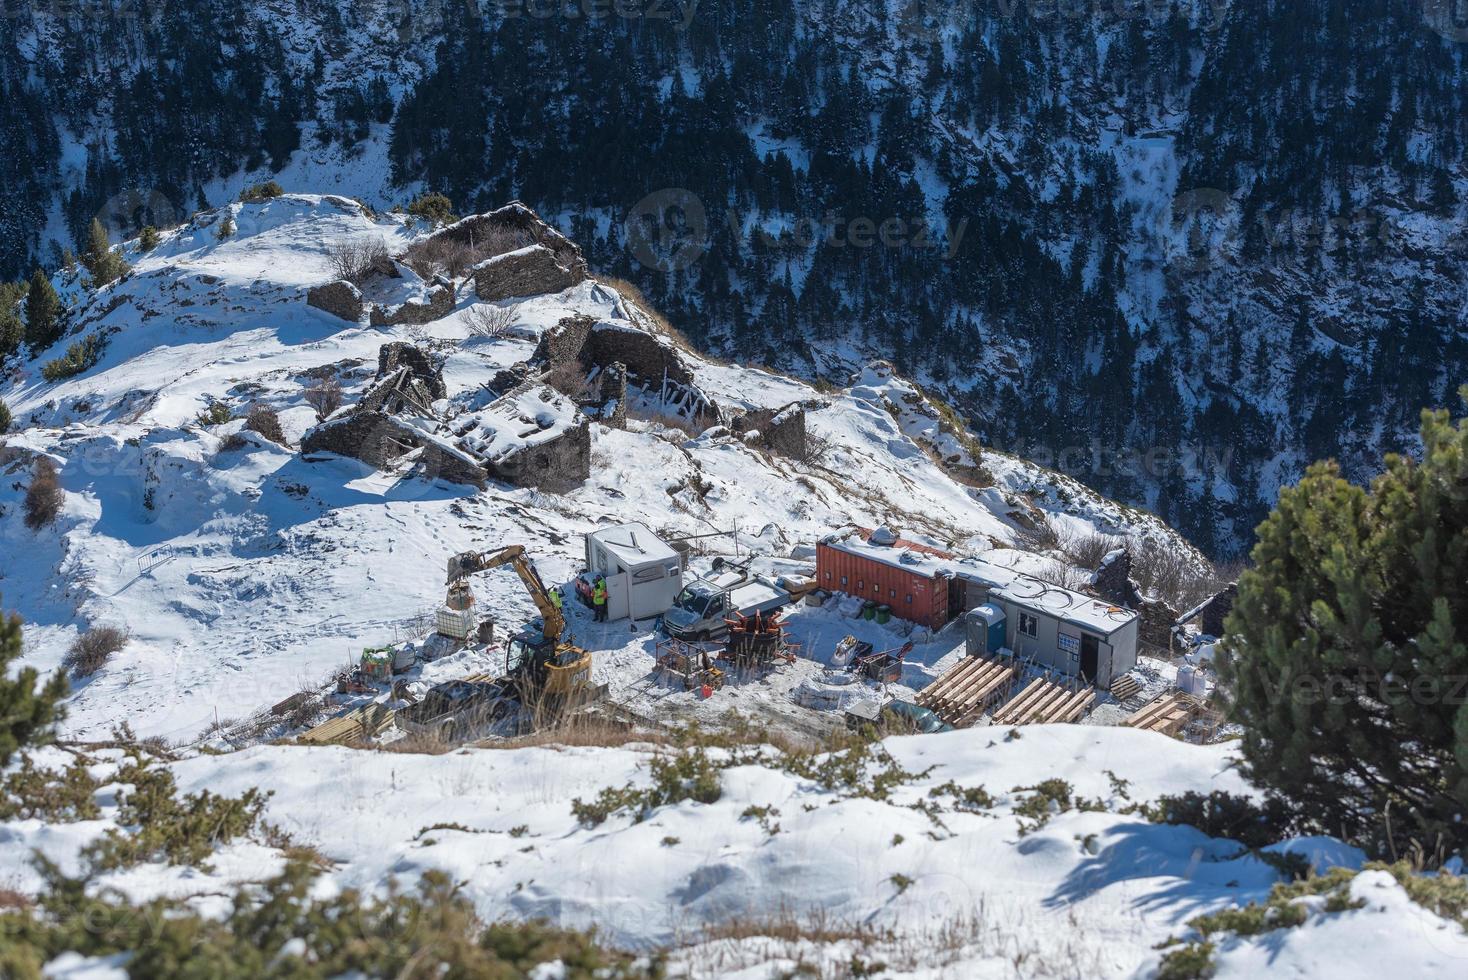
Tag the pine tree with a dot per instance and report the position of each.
(28, 714)
(5, 417)
(42, 313)
(101, 261)
(1348, 648)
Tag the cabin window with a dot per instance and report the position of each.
(861, 583)
(1029, 625)
(892, 593)
(843, 580)
(909, 598)
(876, 589)
(828, 576)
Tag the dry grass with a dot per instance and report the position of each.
(91, 651)
(355, 259)
(440, 255)
(489, 322)
(1171, 573)
(325, 396)
(43, 498)
(568, 378)
(1089, 550)
(264, 420)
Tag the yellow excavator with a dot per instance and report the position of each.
(545, 669)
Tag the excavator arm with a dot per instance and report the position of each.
(469, 562)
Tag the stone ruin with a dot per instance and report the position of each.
(1212, 614)
(525, 257)
(1113, 582)
(538, 258)
(646, 362)
(778, 430)
(532, 436)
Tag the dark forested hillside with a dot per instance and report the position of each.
(1175, 249)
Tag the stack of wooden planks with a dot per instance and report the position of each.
(1045, 702)
(965, 690)
(359, 723)
(1169, 713)
(1125, 687)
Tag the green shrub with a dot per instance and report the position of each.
(80, 356)
(5, 417)
(1221, 814)
(688, 774)
(148, 238)
(169, 828)
(280, 930)
(434, 208)
(261, 192)
(56, 796)
(31, 710)
(1192, 961)
(1344, 649)
(226, 228)
(217, 413)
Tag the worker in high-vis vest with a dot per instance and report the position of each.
(555, 597)
(599, 599)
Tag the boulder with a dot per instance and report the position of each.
(440, 304)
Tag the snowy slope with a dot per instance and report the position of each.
(958, 893)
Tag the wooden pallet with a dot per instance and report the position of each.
(1045, 702)
(1168, 713)
(1125, 687)
(359, 723)
(965, 690)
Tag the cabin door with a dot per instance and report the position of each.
(1090, 657)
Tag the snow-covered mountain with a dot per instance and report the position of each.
(246, 572)
(1178, 249)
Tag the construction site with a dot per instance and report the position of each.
(651, 634)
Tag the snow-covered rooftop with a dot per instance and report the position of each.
(528, 416)
(634, 545)
(1071, 607)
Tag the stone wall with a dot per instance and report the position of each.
(1211, 617)
(557, 466)
(399, 353)
(440, 304)
(511, 227)
(1155, 617)
(781, 430)
(529, 271)
(339, 298)
(376, 438)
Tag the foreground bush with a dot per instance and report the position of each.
(29, 710)
(261, 192)
(264, 420)
(280, 930)
(1347, 648)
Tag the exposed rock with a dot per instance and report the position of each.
(528, 271)
(339, 298)
(374, 437)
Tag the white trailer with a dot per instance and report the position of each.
(643, 574)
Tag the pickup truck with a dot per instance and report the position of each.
(700, 611)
